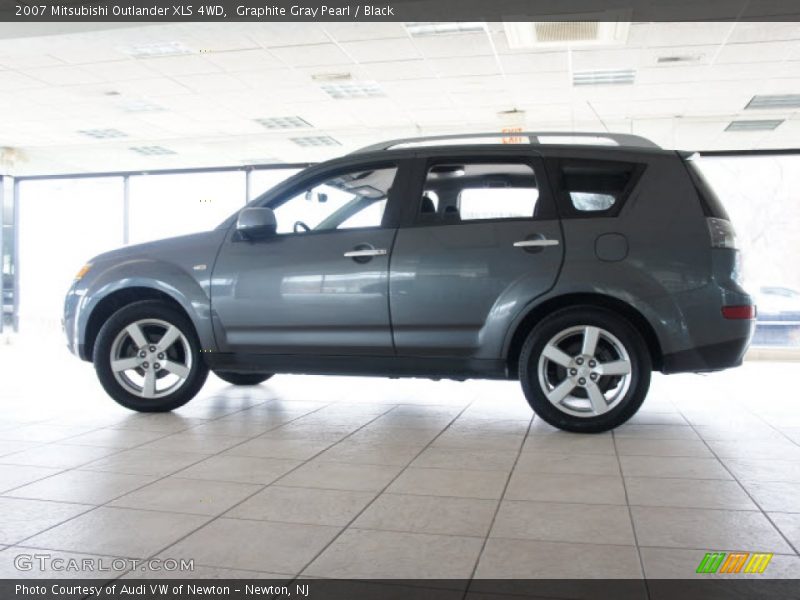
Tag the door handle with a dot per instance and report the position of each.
(535, 243)
(367, 252)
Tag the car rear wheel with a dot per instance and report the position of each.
(242, 378)
(147, 357)
(585, 370)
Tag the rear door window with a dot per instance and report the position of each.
(476, 191)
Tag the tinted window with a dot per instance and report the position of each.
(476, 191)
(596, 186)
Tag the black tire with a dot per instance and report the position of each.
(242, 378)
(150, 310)
(533, 368)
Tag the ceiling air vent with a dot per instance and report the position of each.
(774, 101)
(315, 141)
(754, 125)
(152, 150)
(283, 123)
(566, 31)
(103, 134)
(604, 77)
(355, 89)
(594, 29)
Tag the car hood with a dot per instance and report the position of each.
(165, 249)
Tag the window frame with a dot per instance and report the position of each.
(500, 155)
(567, 209)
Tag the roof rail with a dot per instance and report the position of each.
(620, 139)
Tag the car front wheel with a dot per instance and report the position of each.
(147, 357)
(585, 370)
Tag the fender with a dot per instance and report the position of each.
(184, 276)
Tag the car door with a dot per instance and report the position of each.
(320, 284)
(482, 240)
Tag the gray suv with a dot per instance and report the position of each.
(575, 267)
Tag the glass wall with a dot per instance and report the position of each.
(62, 224)
(762, 196)
(65, 221)
(7, 254)
(262, 180)
(163, 206)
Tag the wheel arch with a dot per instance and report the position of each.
(593, 300)
(118, 299)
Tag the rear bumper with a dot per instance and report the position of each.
(713, 357)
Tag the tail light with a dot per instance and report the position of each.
(746, 311)
(722, 233)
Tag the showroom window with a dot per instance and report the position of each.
(262, 180)
(75, 219)
(167, 205)
(478, 191)
(767, 235)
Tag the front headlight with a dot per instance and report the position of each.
(83, 271)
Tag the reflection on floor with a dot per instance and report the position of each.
(349, 477)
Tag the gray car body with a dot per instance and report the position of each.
(448, 300)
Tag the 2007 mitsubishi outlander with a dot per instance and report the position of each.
(575, 267)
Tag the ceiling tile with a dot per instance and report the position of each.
(312, 55)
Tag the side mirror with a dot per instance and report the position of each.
(256, 223)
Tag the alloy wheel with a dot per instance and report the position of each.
(584, 371)
(151, 358)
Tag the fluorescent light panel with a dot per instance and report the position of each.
(604, 77)
(140, 105)
(283, 123)
(314, 141)
(103, 134)
(754, 125)
(157, 50)
(774, 101)
(428, 28)
(355, 89)
(152, 150)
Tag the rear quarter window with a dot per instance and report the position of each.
(595, 187)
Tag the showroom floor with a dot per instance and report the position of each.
(348, 477)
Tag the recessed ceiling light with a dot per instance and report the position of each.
(604, 77)
(103, 134)
(765, 101)
(311, 141)
(754, 125)
(152, 150)
(426, 28)
(341, 76)
(356, 89)
(678, 58)
(283, 122)
(157, 50)
(140, 105)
